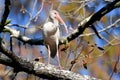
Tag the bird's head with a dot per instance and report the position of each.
(55, 15)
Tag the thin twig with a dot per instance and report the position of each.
(34, 4)
(17, 25)
(11, 47)
(38, 13)
(76, 59)
(115, 66)
(108, 27)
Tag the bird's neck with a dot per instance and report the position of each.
(56, 23)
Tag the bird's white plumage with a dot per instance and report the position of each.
(51, 37)
(49, 29)
(51, 34)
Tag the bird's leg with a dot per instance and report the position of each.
(48, 55)
(58, 57)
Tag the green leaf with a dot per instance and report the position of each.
(7, 22)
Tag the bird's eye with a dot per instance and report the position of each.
(55, 13)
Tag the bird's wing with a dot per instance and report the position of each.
(53, 48)
(52, 42)
(49, 29)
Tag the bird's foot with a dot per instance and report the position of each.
(59, 67)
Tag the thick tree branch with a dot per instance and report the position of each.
(5, 14)
(36, 68)
(97, 16)
(9, 54)
(16, 34)
(43, 71)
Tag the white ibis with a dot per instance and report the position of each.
(51, 34)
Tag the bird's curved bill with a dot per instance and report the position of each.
(61, 21)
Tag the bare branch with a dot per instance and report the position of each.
(16, 34)
(9, 54)
(43, 71)
(96, 17)
(37, 68)
(115, 68)
(108, 27)
(5, 14)
(37, 14)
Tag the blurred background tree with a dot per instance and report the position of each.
(86, 55)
